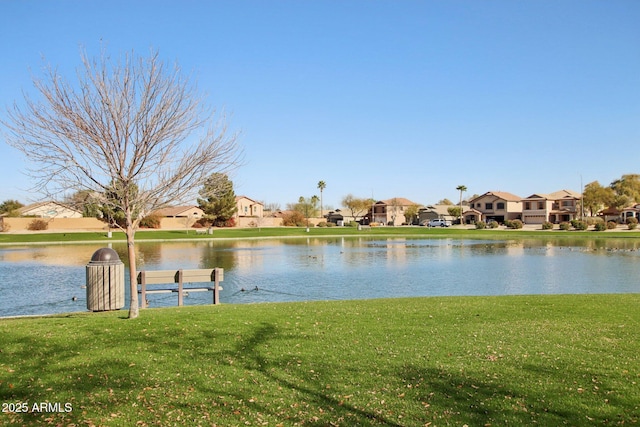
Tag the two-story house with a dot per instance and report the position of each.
(560, 206)
(390, 211)
(494, 206)
(248, 207)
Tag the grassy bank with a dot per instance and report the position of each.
(550, 360)
(239, 233)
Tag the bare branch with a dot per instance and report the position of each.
(134, 127)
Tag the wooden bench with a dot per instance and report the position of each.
(201, 231)
(157, 277)
(364, 227)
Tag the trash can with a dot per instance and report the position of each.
(105, 281)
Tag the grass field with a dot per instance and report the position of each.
(269, 232)
(476, 361)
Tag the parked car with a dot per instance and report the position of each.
(439, 223)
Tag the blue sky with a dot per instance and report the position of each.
(377, 98)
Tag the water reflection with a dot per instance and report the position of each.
(45, 279)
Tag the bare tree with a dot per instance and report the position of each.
(357, 206)
(132, 130)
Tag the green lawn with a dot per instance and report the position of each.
(236, 233)
(517, 360)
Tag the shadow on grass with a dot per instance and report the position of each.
(332, 408)
(479, 399)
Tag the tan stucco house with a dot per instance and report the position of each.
(50, 209)
(181, 212)
(494, 206)
(390, 211)
(630, 212)
(179, 216)
(560, 206)
(430, 212)
(248, 207)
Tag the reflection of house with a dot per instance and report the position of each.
(494, 206)
(181, 212)
(249, 207)
(391, 211)
(561, 206)
(49, 209)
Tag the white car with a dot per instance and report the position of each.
(439, 223)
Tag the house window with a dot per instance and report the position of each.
(541, 205)
(488, 206)
(500, 206)
(527, 206)
(246, 210)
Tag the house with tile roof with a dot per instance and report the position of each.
(630, 212)
(181, 212)
(248, 207)
(390, 211)
(49, 209)
(559, 206)
(493, 206)
(430, 212)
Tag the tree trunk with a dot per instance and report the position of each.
(131, 253)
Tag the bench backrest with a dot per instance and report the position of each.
(156, 277)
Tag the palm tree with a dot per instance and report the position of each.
(321, 185)
(461, 188)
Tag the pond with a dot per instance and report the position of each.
(47, 279)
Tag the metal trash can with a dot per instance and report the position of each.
(105, 281)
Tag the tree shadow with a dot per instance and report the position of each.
(480, 400)
(269, 368)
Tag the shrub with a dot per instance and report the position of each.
(565, 226)
(600, 226)
(294, 219)
(38, 225)
(547, 225)
(150, 221)
(612, 225)
(516, 224)
(492, 224)
(481, 225)
(203, 223)
(579, 225)
(632, 223)
(353, 224)
(592, 220)
(322, 224)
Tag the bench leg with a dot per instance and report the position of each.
(216, 288)
(180, 289)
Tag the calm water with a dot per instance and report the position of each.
(45, 279)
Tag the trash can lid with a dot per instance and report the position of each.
(105, 255)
